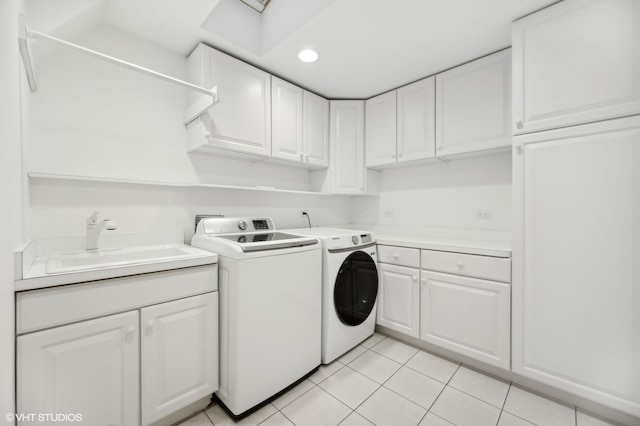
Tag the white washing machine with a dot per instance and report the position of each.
(270, 307)
(349, 288)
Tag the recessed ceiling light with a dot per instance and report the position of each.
(308, 55)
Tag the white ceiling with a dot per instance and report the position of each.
(366, 47)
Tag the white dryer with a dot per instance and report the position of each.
(349, 288)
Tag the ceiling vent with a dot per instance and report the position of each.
(258, 5)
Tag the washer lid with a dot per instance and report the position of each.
(249, 242)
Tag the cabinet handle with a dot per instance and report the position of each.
(301, 157)
(519, 125)
(129, 333)
(519, 150)
(460, 265)
(393, 156)
(150, 325)
(426, 289)
(400, 155)
(415, 278)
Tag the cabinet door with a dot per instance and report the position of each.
(466, 315)
(179, 354)
(286, 122)
(416, 120)
(347, 146)
(380, 133)
(241, 120)
(575, 62)
(473, 106)
(576, 261)
(316, 129)
(89, 368)
(399, 299)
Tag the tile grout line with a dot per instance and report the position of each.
(473, 396)
(366, 349)
(440, 393)
(381, 385)
(512, 414)
(504, 403)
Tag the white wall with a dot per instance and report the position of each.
(10, 194)
(91, 118)
(61, 208)
(444, 195)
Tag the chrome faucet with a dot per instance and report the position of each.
(94, 228)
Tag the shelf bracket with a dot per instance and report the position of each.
(25, 53)
(192, 113)
(200, 107)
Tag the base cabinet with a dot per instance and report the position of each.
(137, 367)
(466, 315)
(179, 355)
(399, 299)
(90, 369)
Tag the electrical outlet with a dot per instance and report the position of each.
(483, 214)
(388, 213)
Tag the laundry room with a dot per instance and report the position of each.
(448, 184)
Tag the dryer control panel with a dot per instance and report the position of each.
(350, 241)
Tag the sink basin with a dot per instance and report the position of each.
(82, 261)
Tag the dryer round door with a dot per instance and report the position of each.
(356, 288)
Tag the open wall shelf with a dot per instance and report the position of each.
(61, 177)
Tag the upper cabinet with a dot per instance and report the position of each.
(241, 121)
(576, 62)
(400, 125)
(300, 122)
(380, 130)
(286, 120)
(346, 173)
(473, 106)
(315, 129)
(416, 121)
(347, 147)
(464, 110)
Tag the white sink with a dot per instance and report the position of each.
(101, 259)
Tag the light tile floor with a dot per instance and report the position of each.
(386, 382)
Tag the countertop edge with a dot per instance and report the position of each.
(489, 248)
(55, 280)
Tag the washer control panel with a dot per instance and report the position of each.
(235, 225)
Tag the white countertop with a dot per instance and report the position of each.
(470, 241)
(31, 264)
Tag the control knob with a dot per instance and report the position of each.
(354, 239)
(242, 225)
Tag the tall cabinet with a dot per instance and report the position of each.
(576, 251)
(576, 62)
